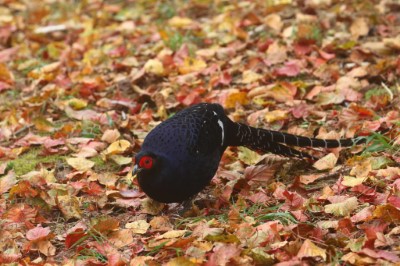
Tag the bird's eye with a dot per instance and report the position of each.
(146, 162)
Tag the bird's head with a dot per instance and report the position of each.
(145, 164)
(153, 174)
(160, 177)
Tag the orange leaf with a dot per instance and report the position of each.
(388, 213)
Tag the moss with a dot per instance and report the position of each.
(28, 161)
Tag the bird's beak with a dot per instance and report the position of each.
(135, 170)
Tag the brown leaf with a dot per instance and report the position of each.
(359, 27)
(309, 249)
(388, 213)
(120, 238)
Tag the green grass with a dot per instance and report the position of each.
(377, 142)
(28, 161)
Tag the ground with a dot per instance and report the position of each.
(83, 82)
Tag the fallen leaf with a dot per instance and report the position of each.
(359, 27)
(223, 254)
(117, 147)
(110, 135)
(342, 208)
(172, 234)
(191, 65)
(69, 206)
(120, 238)
(138, 227)
(154, 66)
(388, 213)
(7, 181)
(274, 21)
(179, 22)
(80, 164)
(38, 233)
(250, 76)
(275, 115)
(121, 160)
(326, 162)
(350, 181)
(309, 249)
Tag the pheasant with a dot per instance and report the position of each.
(180, 156)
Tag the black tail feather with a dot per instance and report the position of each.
(272, 141)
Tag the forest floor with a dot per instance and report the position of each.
(83, 82)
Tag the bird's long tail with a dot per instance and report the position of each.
(274, 141)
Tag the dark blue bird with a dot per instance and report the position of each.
(180, 156)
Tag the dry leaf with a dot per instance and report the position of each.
(110, 135)
(326, 162)
(154, 66)
(344, 208)
(138, 227)
(309, 249)
(80, 164)
(180, 22)
(192, 65)
(359, 27)
(7, 181)
(350, 181)
(117, 147)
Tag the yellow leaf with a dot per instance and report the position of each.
(275, 115)
(172, 234)
(350, 181)
(328, 224)
(355, 259)
(250, 76)
(181, 261)
(309, 249)
(179, 22)
(236, 97)
(80, 164)
(192, 65)
(117, 147)
(342, 208)
(155, 67)
(138, 227)
(326, 162)
(77, 104)
(121, 160)
(362, 169)
(248, 156)
(69, 206)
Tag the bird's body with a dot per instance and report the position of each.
(180, 156)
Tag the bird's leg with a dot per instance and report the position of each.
(189, 208)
